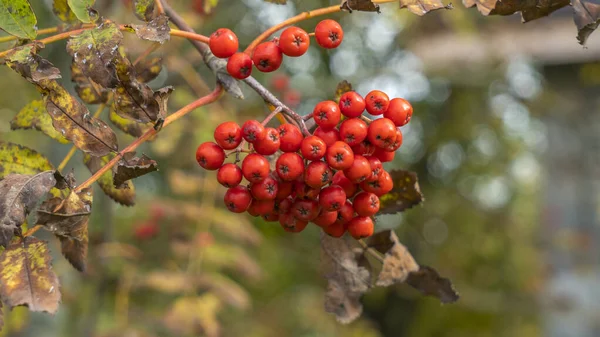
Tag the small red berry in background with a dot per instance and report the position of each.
(237, 199)
(289, 166)
(400, 111)
(228, 135)
(359, 171)
(327, 115)
(339, 156)
(210, 156)
(255, 167)
(313, 148)
(325, 218)
(294, 41)
(229, 175)
(223, 43)
(352, 104)
(291, 138)
(261, 207)
(292, 98)
(329, 34)
(349, 187)
(269, 144)
(267, 57)
(280, 82)
(353, 131)
(329, 136)
(146, 231)
(265, 189)
(360, 227)
(317, 174)
(239, 66)
(332, 198)
(253, 131)
(377, 102)
(382, 133)
(384, 156)
(366, 204)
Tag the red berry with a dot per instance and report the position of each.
(382, 132)
(376, 167)
(280, 82)
(269, 144)
(237, 199)
(229, 175)
(329, 34)
(305, 209)
(294, 41)
(210, 156)
(400, 111)
(313, 148)
(366, 204)
(325, 218)
(377, 102)
(327, 115)
(255, 168)
(283, 206)
(339, 156)
(384, 155)
(329, 136)
(267, 57)
(349, 187)
(228, 135)
(289, 166)
(284, 189)
(317, 174)
(332, 198)
(360, 227)
(336, 230)
(292, 98)
(397, 142)
(265, 189)
(239, 66)
(353, 131)
(364, 148)
(303, 191)
(379, 187)
(359, 171)
(291, 137)
(253, 130)
(271, 217)
(291, 224)
(345, 213)
(223, 43)
(146, 231)
(352, 104)
(261, 207)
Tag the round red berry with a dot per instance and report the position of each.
(379, 187)
(327, 115)
(265, 189)
(376, 167)
(328, 136)
(359, 171)
(284, 189)
(283, 206)
(332, 198)
(239, 66)
(291, 138)
(261, 207)
(360, 227)
(210, 156)
(269, 144)
(352, 104)
(289, 166)
(291, 224)
(305, 209)
(400, 111)
(397, 142)
(317, 174)
(253, 130)
(255, 168)
(271, 217)
(228, 135)
(313, 148)
(384, 155)
(267, 57)
(349, 187)
(229, 175)
(325, 218)
(339, 156)
(382, 132)
(345, 213)
(303, 191)
(280, 82)
(366, 204)
(364, 148)
(294, 41)
(353, 131)
(336, 230)
(237, 199)
(292, 97)
(223, 43)
(377, 102)
(329, 34)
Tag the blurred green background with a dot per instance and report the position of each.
(504, 139)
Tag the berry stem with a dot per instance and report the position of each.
(366, 119)
(271, 115)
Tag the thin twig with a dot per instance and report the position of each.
(159, 7)
(372, 251)
(32, 230)
(271, 115)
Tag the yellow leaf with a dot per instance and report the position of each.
(195, 315)
(34, 115)
(15, 158)
(124, 195)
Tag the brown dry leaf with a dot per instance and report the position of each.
(25, 61)
(124, 195)
(131, 167)
(530, 10)
(342, 87)
(68, 219)
(157, 30)
(587, 18)
(405, 194)
(195, 316)
(422, 7)
(147, 69)
(19, 195)
(360, 5)
(34, 116)
(128, 126)
(89, 91)
(26, 276)
(347, 279)
(397, 261)
(429, 282)
(277, 2)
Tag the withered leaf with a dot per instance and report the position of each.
(83, 10)
(157, 30)
(89, 91)
(277, 2)
(15, 158)
(128, 126)
(429, 282)
(68, 219)
(34, 116)
(530, 10)
(342, 88)
(131, 167)
(25, 61)
(422, 7)
(587, 18)
(27, 278)
(19, 195)
(347, 279)
(147, 69)
(405, 194)
(65, 182)
(143, 9)
(94, 51)
(397, 261)
(124, 195)
(360, 5)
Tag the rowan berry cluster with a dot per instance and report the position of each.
(332, 178)
(268, 56)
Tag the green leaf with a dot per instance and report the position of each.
(17, 18)
(27, 278)
(63, 12)
(83, 10)
(34, 115)
(124, 195)
(144, 9)
(15, 158)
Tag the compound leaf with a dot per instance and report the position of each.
(17, 18)
(34, 115)
(124, 195)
